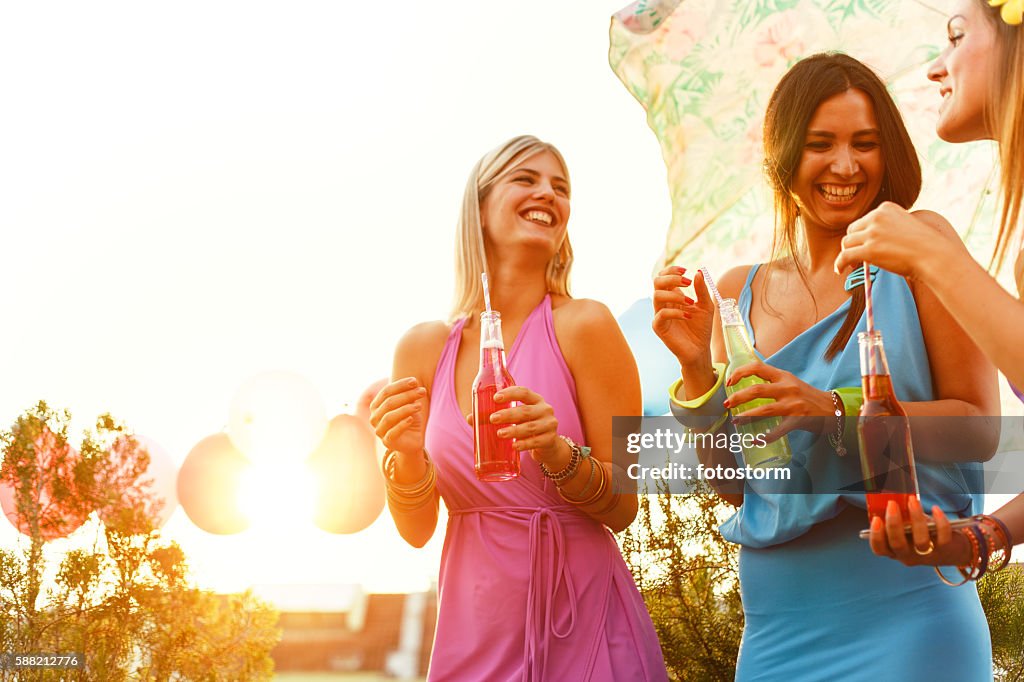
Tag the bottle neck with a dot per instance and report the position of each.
(872, 355)
(492, 345)
(490, 330)
(737, 343)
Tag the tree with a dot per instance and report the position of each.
(1002, 596)
(126, 602)
(689, 577)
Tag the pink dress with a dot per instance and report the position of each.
(530, 588)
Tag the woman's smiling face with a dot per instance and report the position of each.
(529, 205)
(964, 74)
(842, 166)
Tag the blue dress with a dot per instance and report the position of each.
(819, 605)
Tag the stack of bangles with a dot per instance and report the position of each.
(585, 497)
(986, 553)
(409, 498)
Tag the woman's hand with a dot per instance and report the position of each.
(945, 548)
(898, 241)
(397, 416)
(793, 397)
(683, 324)
(532, 422)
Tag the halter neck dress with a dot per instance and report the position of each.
(530, 588)
(818, 603)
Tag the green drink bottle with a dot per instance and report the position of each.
(737, 346)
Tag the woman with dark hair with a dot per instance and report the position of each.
(817, 604)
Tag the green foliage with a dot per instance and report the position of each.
(690, 581)
(125, 602)
(1002, 596)
(689, 578)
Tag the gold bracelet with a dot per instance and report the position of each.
(973, 545)
(601, 485)
(614, 501)
(409, 497)
(388, 469)
(590, 478)
(947, 581)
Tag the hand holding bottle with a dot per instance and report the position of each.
(684, 324)
(889, 538)
(397, 415)
(528, 420)
(801, 405)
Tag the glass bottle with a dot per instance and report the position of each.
(496, 458)
(740, 352)
(886, 452)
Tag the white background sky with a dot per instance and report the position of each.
(192, 195)
(195, 194)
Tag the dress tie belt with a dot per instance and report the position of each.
(549, 573)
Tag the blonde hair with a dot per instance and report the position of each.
(1004, 114)
(470, 256)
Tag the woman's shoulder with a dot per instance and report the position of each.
(934, 219)
(583, 314)
(426, 333)
(420, 347)
(731, 283)
(583, 322)
(939, 222)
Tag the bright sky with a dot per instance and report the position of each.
(199, 193)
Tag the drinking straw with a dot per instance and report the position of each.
(711, 286)
(869, 316)
(487, 292)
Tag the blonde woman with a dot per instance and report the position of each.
(532, 585)
(980, 76)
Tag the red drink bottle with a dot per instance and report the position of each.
(886, 453)
(496, 458)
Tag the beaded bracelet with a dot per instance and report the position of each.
(990, 545)
(576, 455)
(979, 554)
(996, 526)
(983, 551)
(835, 439)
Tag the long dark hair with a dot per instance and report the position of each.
(805, 86)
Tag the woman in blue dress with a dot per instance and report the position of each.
(818, 604)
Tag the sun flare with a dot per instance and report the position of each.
(276, 496)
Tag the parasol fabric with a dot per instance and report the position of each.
(703, 71)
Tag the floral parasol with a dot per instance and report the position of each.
(703, 71)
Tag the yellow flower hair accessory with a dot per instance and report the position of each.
(1012, 11)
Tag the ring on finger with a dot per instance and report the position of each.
(926, 551)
